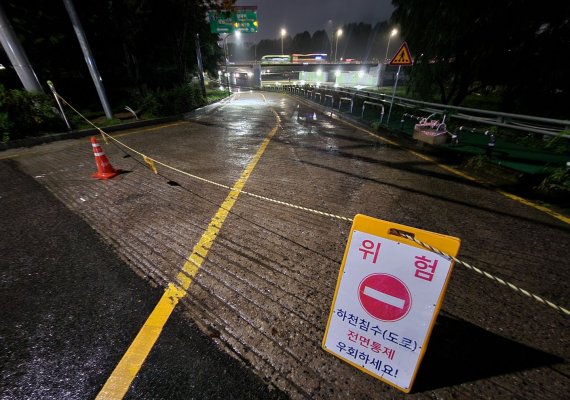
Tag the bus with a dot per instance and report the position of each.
(313, 58)
(276, 59)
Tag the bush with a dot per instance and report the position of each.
(5, 127)
(26, 114)
(557, 182)
(174, 101)
(215, 95)
(559, 143)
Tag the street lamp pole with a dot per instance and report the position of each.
(338, 34)
(283, 33)
(226, 55)
(330, 35)
(393, 33)
(224, 44)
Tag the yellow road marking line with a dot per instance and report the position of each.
(511, 196)
(539, 207)
(125, 372)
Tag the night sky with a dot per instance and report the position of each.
(297, 16)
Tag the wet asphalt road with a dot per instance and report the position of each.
(265, 287)
(70, 307)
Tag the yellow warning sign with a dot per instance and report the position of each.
(388, 295)
(403, 56)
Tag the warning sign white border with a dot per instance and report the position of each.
(388, 350)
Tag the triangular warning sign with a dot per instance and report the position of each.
(403, 56)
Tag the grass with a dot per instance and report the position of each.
(213, 95)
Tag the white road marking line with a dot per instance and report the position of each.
(383, 297)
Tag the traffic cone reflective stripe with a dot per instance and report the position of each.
(104, 168)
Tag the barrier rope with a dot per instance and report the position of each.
(484, 273)
(82, 116)
(151, 162)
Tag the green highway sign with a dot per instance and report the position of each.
(243, 19)
(246, 20)
(221, 22)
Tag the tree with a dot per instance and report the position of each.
(375, 47)
(301, 43)
(320, 42)
(463, 47)
(355, 39)
(158, 39)
(137, 44)
(268, 46)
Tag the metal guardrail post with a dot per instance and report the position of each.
(490, 144)
(373, 104)
(346, 99)
(518, 122)
(454, 139)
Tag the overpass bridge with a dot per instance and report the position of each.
(254, 74)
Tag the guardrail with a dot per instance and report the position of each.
(346, 99)
(515, 122)
(373, 104)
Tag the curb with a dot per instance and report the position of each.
(32, 141)
(76, 134)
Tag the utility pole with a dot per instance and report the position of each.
(17, 55)
(97, 80)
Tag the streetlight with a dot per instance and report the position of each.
(393, 33)
(225, 46)
(338, 34)
(225, 43)
(283, 33)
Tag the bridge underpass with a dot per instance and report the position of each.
(342, 74)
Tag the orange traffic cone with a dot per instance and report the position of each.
(104, 168)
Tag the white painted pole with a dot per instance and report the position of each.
(393, 95)
(97, 80)
(17, 55)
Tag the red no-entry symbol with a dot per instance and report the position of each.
(384, 297)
